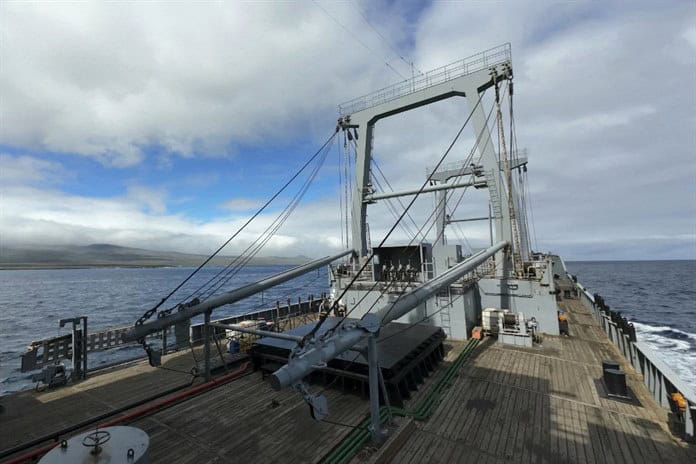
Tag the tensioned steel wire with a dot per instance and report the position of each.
(152, 310)
(393, 210)
(270, 232)
(398, 200)
(428, 220)
(232, 269)
(368, 260)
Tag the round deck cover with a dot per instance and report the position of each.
(113, 451)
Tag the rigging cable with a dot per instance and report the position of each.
(478, 141)
(527, 194)
(388, 43)
(516, 253)
(469, 157)
(357, 39)
(270, 231)
(410, 204)
(152, 310)
(340, 190)
(393, 210)
(398, 199)
(348, 188)
(428, 220)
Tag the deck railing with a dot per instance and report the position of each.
(292, 312)
(661, 381)
(52, 350)
(49, 351)
(469, 65)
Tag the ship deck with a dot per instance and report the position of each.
(545, 405)
(507, 404)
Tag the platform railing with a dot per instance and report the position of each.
(53, 350)
(463, 67)
(660, 380)
(275, 315)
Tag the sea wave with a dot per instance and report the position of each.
(664, 331)
(675, 347)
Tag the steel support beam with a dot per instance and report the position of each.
(483, 218)
(261, 333)
(373, 367)
(363, 117)
(346, 335)
(206, 344)
(79, 344)
(188, 312)
(381, 196)
(447, 173)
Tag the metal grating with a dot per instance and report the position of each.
(469, 65)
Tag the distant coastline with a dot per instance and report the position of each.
(113, 256)
(40, 267)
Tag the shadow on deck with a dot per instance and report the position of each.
(541, 405)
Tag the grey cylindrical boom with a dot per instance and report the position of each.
(140, 331)
(380, 196)
(410, 300)
(350, 332)
(261, 333)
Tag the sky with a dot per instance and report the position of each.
(166, 125)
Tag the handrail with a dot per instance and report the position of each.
(660, 380)
(463, 67)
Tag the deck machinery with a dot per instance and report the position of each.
(418, 282)
(431, 282)
(517, 279)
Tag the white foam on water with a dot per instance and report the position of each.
(679, 354)
(646, 328)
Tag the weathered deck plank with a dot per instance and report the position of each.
(483, 418)
(507, 404)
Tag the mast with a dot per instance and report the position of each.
(465, 78)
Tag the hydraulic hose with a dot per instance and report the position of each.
(55, 435)
(141, 412)
(423, 411)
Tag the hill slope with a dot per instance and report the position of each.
(105, 255)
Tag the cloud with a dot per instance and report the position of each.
(153, 200)
(600, 103)
(241, 204)
(35, 216)
(23, 169)
(109, 81)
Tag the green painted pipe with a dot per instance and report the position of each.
(356, 439)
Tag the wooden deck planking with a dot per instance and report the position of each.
(30, 414)
(544, 405)
(507, 404)
(245, 427)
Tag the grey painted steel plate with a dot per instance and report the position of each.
(114, 451)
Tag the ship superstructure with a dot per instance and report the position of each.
(494, 355)
(517, 279)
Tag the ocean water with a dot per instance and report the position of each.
(32, 303)
(659, 297)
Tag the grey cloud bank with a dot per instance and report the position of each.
(603, 104)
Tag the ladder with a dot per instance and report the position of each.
(444, 301)
(492, 182)
(516, 253)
